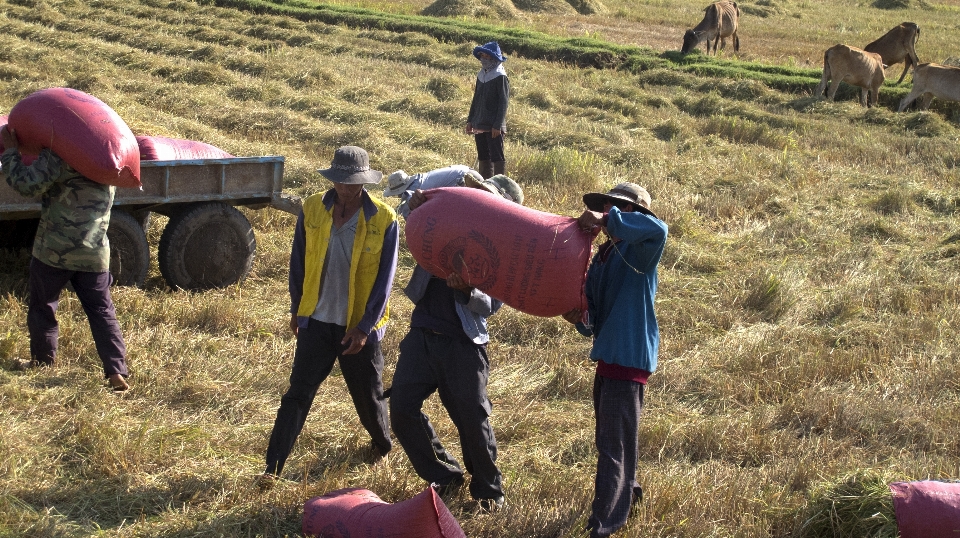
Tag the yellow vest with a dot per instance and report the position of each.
(364, 262)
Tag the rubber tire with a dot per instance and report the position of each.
(143, 217)
(129, 250)
(208, 245)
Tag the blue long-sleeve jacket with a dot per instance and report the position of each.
(621, 288)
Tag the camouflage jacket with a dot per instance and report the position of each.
(74, 214)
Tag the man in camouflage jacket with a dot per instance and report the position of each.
(71, 246)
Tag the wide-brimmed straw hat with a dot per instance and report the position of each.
(351, 166)
(492, 48)
(398, 182)
(499, 184)
(630, 193)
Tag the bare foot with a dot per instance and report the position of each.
(118, 383)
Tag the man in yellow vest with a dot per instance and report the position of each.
(342, 265)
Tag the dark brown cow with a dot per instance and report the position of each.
(853, 66)
(933, 80)
(720, 21)
(898, 45)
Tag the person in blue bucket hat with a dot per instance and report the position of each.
(487, 120)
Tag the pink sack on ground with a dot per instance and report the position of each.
(927, 509)
(535, 262)
(82, 130)
(160, 148)
(359, 513)
(25, 159)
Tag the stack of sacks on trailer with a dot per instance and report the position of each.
(159, 148)
(360, 513)
(535, 262)
(85, 132)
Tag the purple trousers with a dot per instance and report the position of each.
(93, 290)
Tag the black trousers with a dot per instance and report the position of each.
(318, 345)
(458, 370)
(489, 148)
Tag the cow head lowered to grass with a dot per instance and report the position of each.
(720, 21)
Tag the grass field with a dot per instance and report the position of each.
(807, 303)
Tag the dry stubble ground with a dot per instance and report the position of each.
(807, 303)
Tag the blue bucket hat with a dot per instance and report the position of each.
(492, 48)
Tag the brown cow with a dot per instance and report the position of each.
(933, 80)
(898, 45)
(853, 66)
(719, 22)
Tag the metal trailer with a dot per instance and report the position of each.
(207, 242)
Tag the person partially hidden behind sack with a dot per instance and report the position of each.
(71, 246)
(445, 351)
(620, 289)
(401, 185)
(342, 263)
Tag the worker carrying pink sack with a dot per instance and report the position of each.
(445, 351)
(71, 246)
(487, 119)
(403, 186)
(621, 288)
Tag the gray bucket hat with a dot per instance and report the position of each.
(351, 166)
(630, 193)
(499, 184)
(398, 182)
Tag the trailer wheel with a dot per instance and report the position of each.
(129, 251)
(209, 245)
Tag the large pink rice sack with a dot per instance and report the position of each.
(359, 513)
(82, 130)
(160, 148)
(927, 509)
(535, 262)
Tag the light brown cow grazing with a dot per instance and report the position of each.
(933, 80)
(853, 66)
(898, 45)
(720, 21)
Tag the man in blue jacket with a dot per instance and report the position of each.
(621, 287)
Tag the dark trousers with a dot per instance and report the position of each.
(93, 290)
(458, 370)
(318, 346)
(617, 405)
(489, 148)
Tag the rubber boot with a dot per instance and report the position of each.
(486, 169)
(499, 167)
